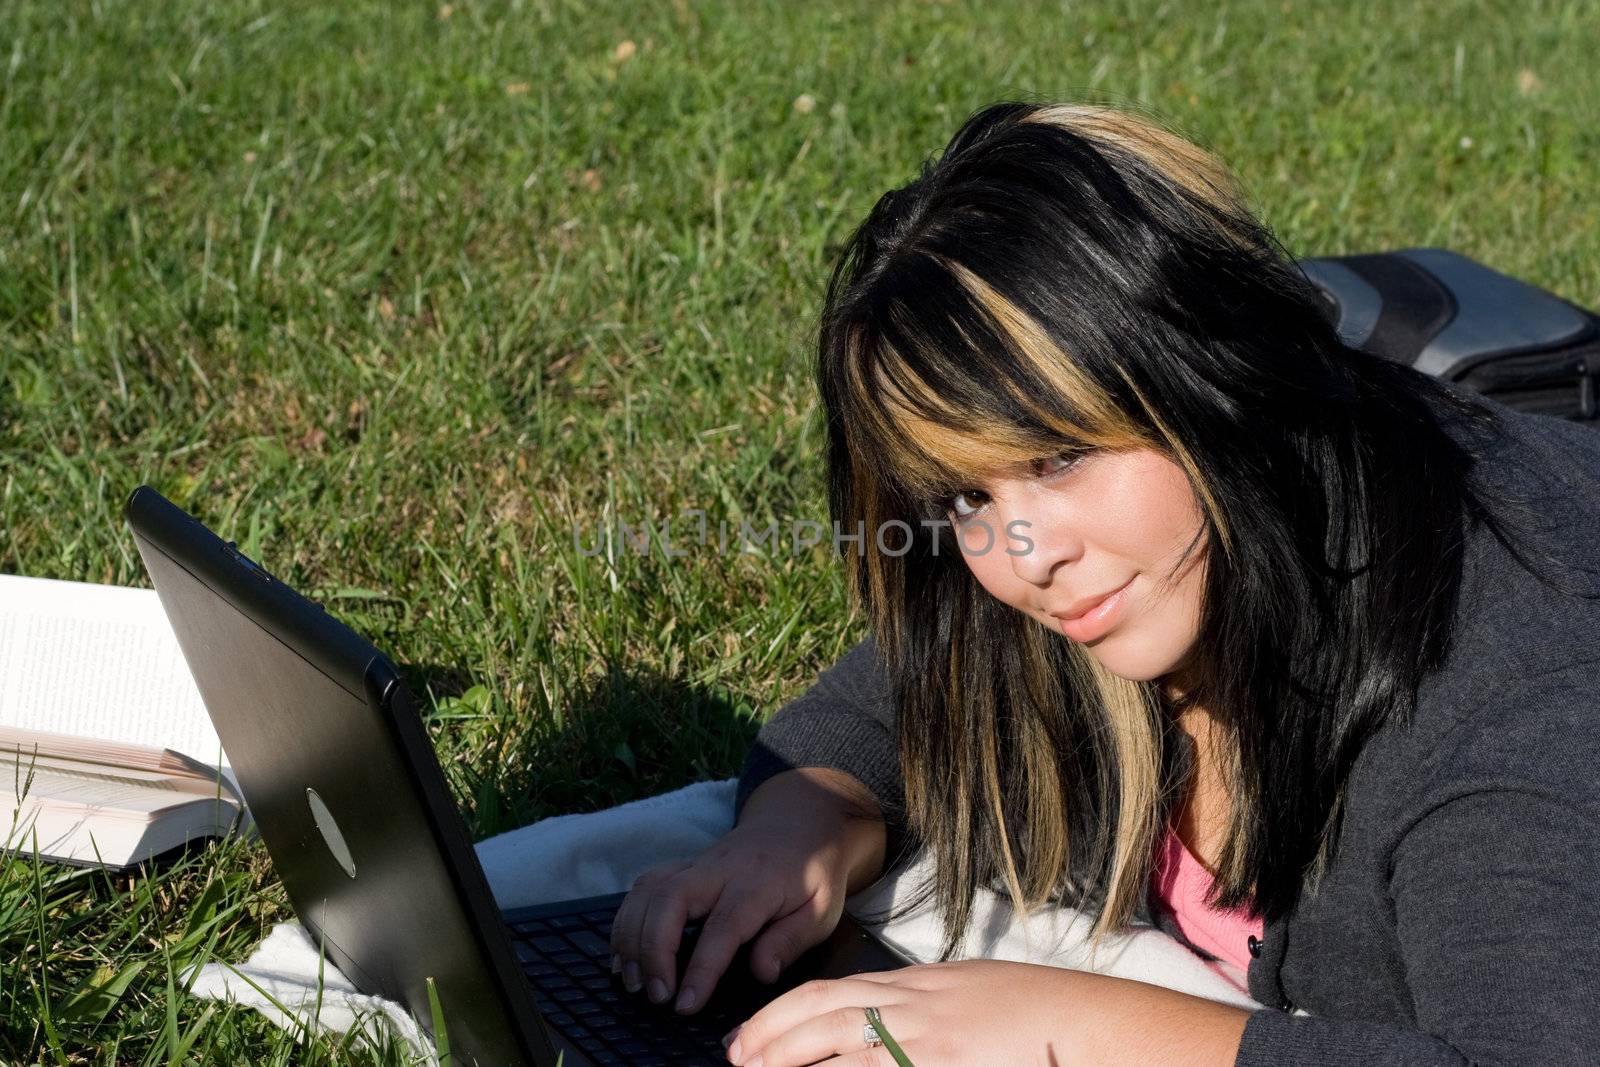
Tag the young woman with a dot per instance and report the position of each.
(1180, 611)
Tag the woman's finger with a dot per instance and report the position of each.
(869, 1057)
(628, 922)
(897, 977)
(735, 918)
(685, 895)
(833, 1033)
(782, 943)
(803, 1003)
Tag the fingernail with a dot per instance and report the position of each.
(729, 1037)
(630, 977)
(658, 991)
(616, 963)
(686, 999)
(733, 1051)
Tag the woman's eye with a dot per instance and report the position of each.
(965, 504)
(969, 502)
(1057, 463)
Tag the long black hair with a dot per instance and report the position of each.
(1079, 277)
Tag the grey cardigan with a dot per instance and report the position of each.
(1459, 922)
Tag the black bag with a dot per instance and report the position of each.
(1454, 318)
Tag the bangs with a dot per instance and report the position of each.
(959, 382)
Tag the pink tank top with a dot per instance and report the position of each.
(1180, 882)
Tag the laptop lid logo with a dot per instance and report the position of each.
(330, 832)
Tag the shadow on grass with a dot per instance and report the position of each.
(444, 681)
(630, 733)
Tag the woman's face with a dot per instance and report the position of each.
(1067, 531)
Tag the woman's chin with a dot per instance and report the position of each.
(1130, 660)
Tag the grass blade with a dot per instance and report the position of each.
(441, 1034)
(889, 1042)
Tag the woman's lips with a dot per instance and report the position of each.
(1099, 619)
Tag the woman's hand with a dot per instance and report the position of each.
(807, 838)
(977, 1012)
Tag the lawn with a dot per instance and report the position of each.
(403, 296)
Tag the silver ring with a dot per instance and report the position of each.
(869, 1030)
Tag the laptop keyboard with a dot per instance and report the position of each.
(567, 959)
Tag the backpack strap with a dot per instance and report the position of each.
(1415, 308)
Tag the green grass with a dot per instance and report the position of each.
(395, 294)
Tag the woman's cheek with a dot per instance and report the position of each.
(993, 571)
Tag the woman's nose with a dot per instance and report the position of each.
(1036, 543)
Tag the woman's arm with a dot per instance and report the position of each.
(1495, 885)
(1496, 894)
(992, 1012)
(844, 722)
(816, 813)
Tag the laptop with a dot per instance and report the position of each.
(349, 800)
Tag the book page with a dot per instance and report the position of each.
(142, 759)
(101, 662)
(137, 762)
(100, 817)
(65, 786)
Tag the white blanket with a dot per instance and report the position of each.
(596, 853)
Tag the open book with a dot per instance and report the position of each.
(107, 755)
